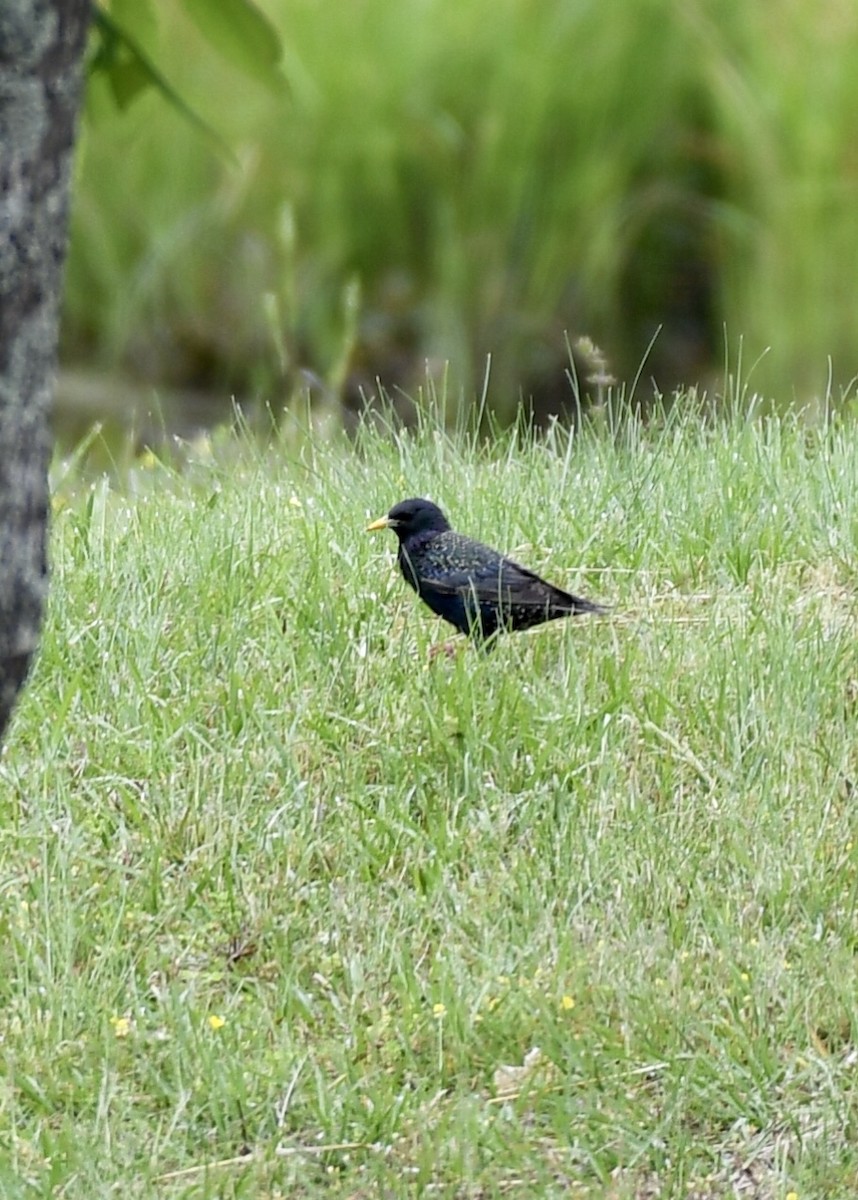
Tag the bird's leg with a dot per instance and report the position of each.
(448, 649)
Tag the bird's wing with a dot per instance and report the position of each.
(488, 589)
(492, 579)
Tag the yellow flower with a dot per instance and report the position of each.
(792, 1196)
(216, 1022)
(121, 1026)
(567, 1002)
(439, 1010)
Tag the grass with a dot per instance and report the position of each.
(448, 181)
(286, 910)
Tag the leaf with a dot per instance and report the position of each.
(139, 19)
(129, 69)
(127, 78)
(243, 36)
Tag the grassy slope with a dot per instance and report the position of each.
(236, 790)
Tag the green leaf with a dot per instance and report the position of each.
(129, 69)
(127, 79)
(139, 20)
(243, 36)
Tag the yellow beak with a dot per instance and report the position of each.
(381, 523)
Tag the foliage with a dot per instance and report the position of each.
(484, 177)
(289, 911)
(237, 29)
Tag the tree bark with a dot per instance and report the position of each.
(42, 45)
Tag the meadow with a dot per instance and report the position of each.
(288, 910)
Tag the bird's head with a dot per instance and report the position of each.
(410, 517)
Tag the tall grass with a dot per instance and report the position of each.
(489, 176)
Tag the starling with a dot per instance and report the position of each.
(468, 584)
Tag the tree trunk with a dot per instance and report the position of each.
(41, 59)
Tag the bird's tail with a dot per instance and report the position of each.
(578, 605)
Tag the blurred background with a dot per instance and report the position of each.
(440, 181)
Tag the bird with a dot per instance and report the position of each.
(477, 589)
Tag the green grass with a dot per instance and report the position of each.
(477, 179)
(236, 789)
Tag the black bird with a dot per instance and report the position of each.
(468, 584)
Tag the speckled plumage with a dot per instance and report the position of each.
(475, 588)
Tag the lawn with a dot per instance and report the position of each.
(288, 910)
